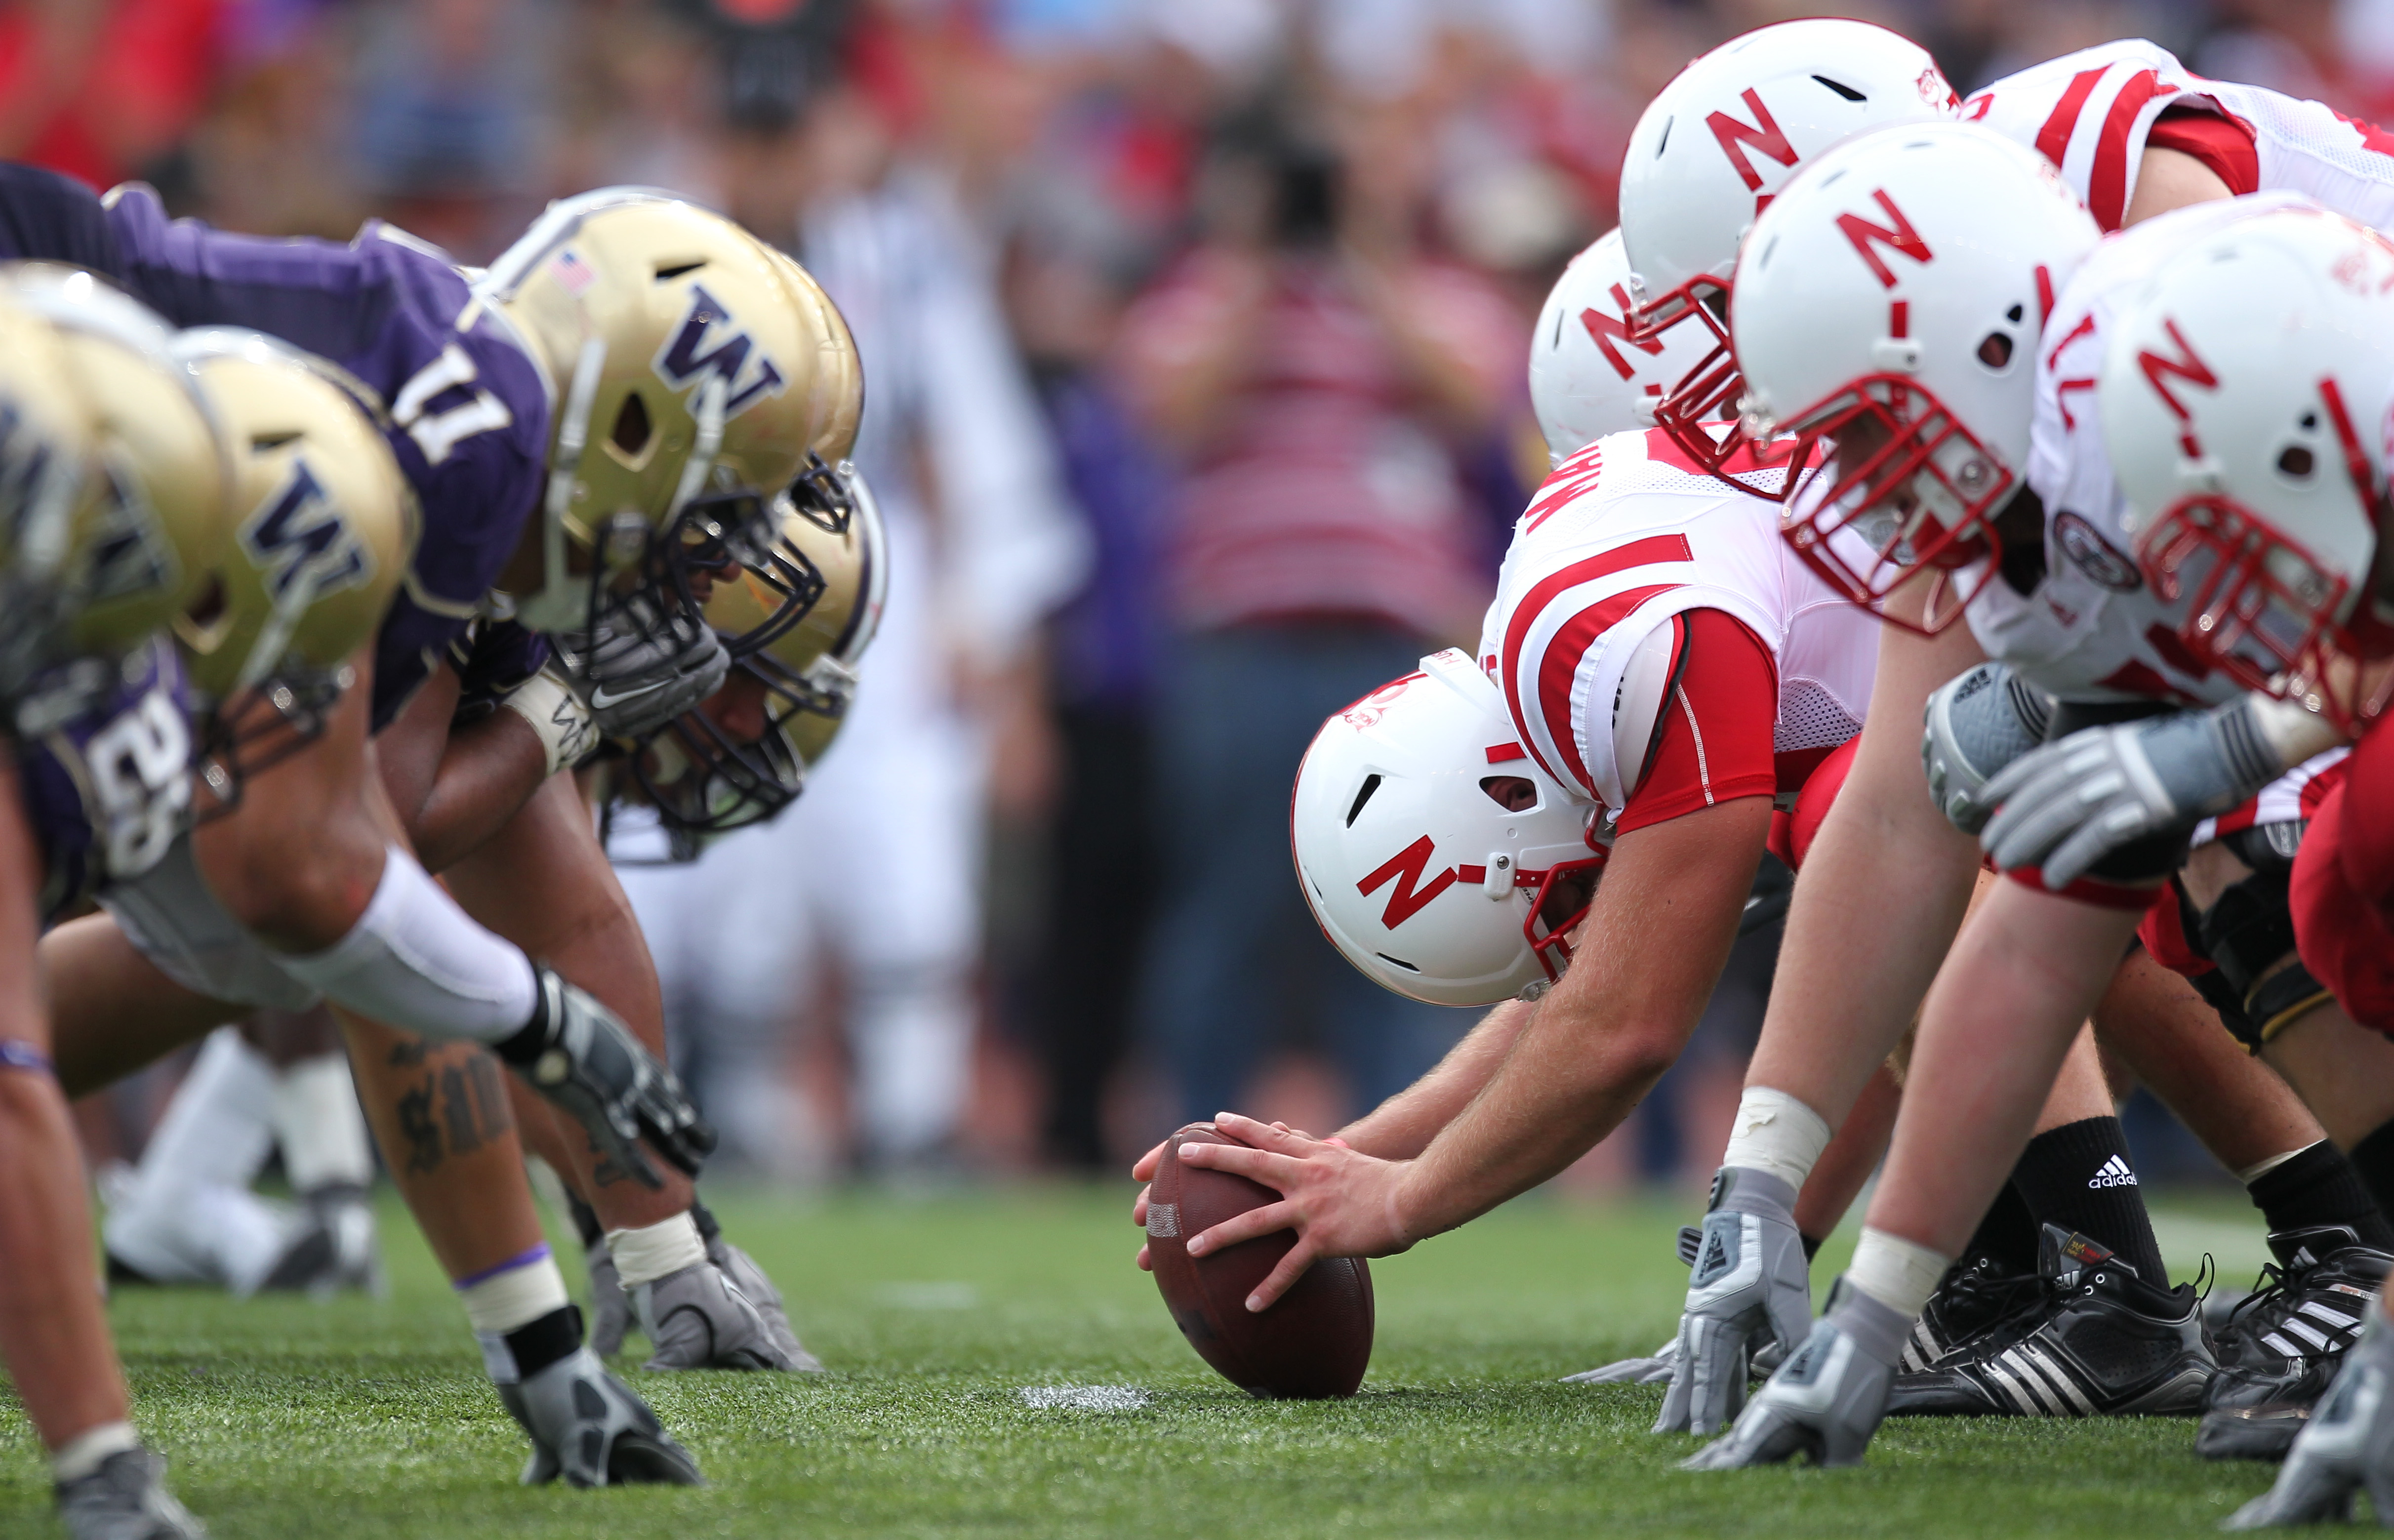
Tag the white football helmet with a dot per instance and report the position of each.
(1587, 377)
(1708, 155)
(1432, 849)
(1893, 296)
(2245, 404)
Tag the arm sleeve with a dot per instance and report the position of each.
(1715, 743)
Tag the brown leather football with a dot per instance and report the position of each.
(1313, 1343)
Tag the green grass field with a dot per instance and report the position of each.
(363, 1418)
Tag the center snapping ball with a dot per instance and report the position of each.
(1312, 1344)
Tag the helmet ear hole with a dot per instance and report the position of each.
(2296, 461)
(1996, 350)
(632, 430)
(208, 605)
(1515, 793)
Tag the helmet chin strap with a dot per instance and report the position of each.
(560, 603)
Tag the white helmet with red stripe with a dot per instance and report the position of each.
(1710, 153)
(1892, 297)
(1587, 377)
(2246, 403)
(1432, 849)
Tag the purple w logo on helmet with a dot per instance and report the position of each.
(709, 341)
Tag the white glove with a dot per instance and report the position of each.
(2067, 805)
(1977, 724)
(558, 716)
(1827, 1399)
(1750, 1285)
(2347, 1444)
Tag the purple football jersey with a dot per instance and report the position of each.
(107, 790)
(468, 409)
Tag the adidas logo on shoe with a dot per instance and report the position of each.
(2113, 1173)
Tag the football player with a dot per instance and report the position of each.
(2136, 136)
(96, 782)
(254, 645)
(1961, 438)
(611, 410)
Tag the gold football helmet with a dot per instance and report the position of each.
(146, 546)
(324, 527)
(695, 375)
(53, 501)
(742, 756)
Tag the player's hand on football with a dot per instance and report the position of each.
(1339, 1202)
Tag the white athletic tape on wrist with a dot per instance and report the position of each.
(1774, 1132)
(655, 1251)
(1895, 1272)
(417, 962)
(556, 713)
(513, 1294)
(2294, 732)
(82, 1454)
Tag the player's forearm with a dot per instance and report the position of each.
(1403, 1127)
(488, 772)
(1648, 956)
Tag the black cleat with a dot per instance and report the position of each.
(2285, 1341)
(1978, 1293)
(2101, 1342)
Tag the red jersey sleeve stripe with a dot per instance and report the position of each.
(1560, 667)
(1636, 553)
(2052, 140)
(2106, 186)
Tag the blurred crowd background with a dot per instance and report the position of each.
(1194, 333)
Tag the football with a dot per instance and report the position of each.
(1311, 1345)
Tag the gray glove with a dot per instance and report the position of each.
(587, 1426)
(1977, 724)
(641, 667)
(576, 1053)
(1827, 1399)
(1750, 1285)
(2067, 805)
(1632, 1371)
(2347, 1444)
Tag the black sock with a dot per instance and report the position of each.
(2077, 1177)
(2008, 1232)
(2319, 1185)
(2372, 1162)
(538, 1344)
(585, 1223)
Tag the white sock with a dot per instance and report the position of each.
(317, 1122)
(215, 1133)
(1776, 1133)
(82, 1454)
(913, 1040)
(655, 1251)
(419, 963)
(1896, 1272)
(516, 1293)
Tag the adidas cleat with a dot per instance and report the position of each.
(1976, 1293)
(2346, 1447)
(2101, 1342)
(2282, 1347)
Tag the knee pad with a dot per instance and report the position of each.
(2248, 929)
(172, 918)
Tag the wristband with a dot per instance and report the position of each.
(555, 713)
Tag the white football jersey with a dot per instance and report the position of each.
(2090, 112)
(2092, 629)
(1626, 534)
